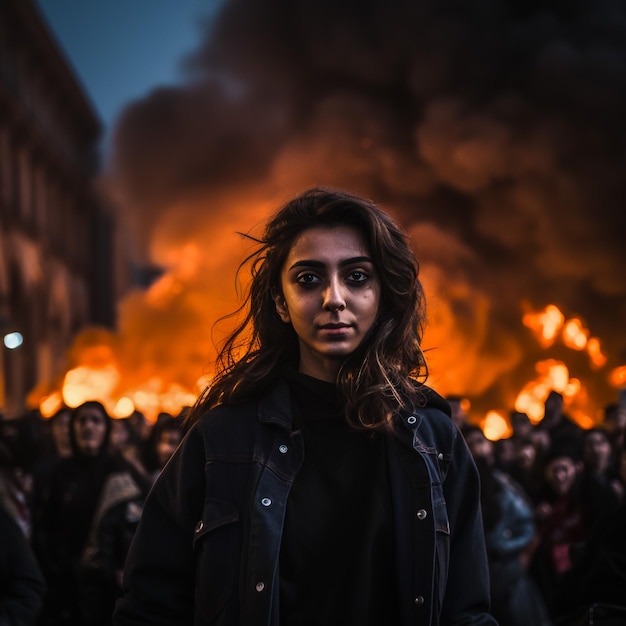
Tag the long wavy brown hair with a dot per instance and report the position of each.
(378, 379)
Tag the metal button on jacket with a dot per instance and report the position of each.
(421, 514)
(283, 449)
(260, 586)
(266, 501)
(419, 600)
(199, 527)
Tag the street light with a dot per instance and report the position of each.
(13, 340)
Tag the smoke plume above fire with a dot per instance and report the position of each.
(493, 131)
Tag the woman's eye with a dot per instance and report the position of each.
(308, 279)
(358, 276)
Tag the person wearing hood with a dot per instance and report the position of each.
(65, 508)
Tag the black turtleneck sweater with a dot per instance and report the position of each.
(337, 552)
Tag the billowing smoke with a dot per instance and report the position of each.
(494, 131)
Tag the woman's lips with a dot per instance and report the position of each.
(335, 329)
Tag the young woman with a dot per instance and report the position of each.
(68, 506)
(320, 481)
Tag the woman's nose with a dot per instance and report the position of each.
(334, 298)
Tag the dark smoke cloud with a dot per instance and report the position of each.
(500, 124)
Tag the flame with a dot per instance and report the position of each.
(550, 322)
(597, 357)
(87, 383)
(124, 407)
(51, 404)
(554, 375)
(617, 378)
(103, 371)
(496, 426)
(551, 375)
(103, 384)
(575, 335)
(546, 324)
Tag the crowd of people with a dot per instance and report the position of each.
(554, 513)
(72, 490)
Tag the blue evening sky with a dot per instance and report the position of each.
(122, 49)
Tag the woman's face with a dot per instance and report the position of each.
(561, 475)
(168, 441)
(597, 451)
(60, 429)
(330, 295)
(120, 436)
(480, 447)
(90, 428)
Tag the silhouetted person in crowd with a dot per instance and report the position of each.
(112, 529)
(521, 425)
(14, 495)
(65, 508)
(122, 436)
(128, 442)
(164, 438)
(22, 586)
(509, 532)
(600, 572)
(504, 452)
(527, 453)
(563, 433)
(561, 529)
(56, 446)
(59, 429)
(115, 525)
(600, 488)
(457, 411)
(526, 468)
(614, 424)
(140, 425)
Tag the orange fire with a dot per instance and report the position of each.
(575, 335)
(553, 375)
(617, 378)
(496, 426)
(82, 383)
(545, 324)
(550, 323)
(597, 357)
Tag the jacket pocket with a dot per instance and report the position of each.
(215, 543)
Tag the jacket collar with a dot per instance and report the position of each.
(275, 406)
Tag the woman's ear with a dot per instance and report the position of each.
(281, 306)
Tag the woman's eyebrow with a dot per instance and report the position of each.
(321, 264)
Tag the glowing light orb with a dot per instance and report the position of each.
(13, 340)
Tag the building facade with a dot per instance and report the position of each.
(55, 235)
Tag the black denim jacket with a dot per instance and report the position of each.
(207, 547)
